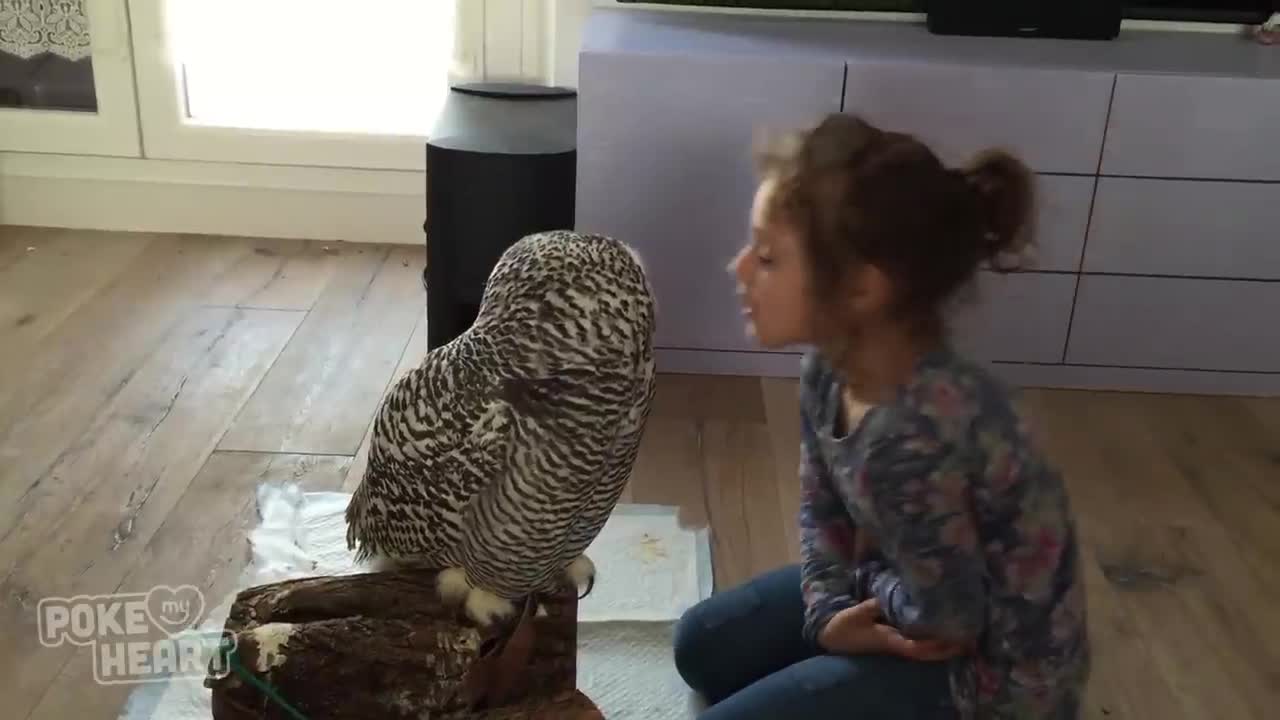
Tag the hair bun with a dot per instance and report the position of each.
(1005, 188)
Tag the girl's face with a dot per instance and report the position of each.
(773, 280)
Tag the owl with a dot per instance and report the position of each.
(498, 460)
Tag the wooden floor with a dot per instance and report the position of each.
(149, 383)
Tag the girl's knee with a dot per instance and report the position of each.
(690, 643)
(707, 655)
(732, 637)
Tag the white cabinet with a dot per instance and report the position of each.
(1194, 228)
(664, 163)
(1156, 160)
(1016, 317)
(1176, 323)
(1062, 219)
(1053, 119)
(1188, 126)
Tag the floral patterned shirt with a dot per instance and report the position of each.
(940, 505)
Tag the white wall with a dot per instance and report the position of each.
(568, 18)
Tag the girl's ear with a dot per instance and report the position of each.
(868, 290)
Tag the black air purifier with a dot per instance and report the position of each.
(501, 164)
(1070, 19)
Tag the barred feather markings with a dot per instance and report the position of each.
(507, 450)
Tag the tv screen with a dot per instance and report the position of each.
(1229, 11)
(1226, 11)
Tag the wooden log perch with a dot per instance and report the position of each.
(382, 645)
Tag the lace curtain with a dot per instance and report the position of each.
(31, 27)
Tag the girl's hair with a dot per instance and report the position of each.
(859, 194)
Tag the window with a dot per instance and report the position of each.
(298, 82)
(376, 66)
(322, 83)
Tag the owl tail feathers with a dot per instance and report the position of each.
(364, 552)
(365, 549)
(369, 555)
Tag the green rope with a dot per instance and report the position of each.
(228, 650)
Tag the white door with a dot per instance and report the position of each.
(66, 78)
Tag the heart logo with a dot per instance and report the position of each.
(174, 610)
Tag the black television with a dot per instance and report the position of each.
(1214, 11)
(1245, 12)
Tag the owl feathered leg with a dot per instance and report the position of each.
(453, 586)
(582, 572)
(486, 608)
(481, 606)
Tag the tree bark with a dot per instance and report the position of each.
(383, 645)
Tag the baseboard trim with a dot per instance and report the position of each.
(1020, 375)
(1148, 380)
(719, 362)
(102, 193)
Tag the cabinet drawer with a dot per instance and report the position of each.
(1053, 119)
(1063, 221)
(1203, 127)
(1176, 323)
(1185, 227)
(664, 163)
(1020, 317)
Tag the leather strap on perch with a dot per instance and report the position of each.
(493, 677)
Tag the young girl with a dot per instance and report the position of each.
(940, 570)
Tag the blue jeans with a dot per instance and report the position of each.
(742, 650)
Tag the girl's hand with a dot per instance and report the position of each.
(857, 631)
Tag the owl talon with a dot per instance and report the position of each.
(582, 572)
(485, 608)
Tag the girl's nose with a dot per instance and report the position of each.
(738, 266)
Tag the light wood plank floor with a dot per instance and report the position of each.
(149, 383)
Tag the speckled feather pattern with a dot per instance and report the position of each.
(507, 449)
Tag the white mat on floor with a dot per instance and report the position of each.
(649, 571)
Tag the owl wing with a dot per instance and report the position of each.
(438, 436)
(618, 463)
(565, 434)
